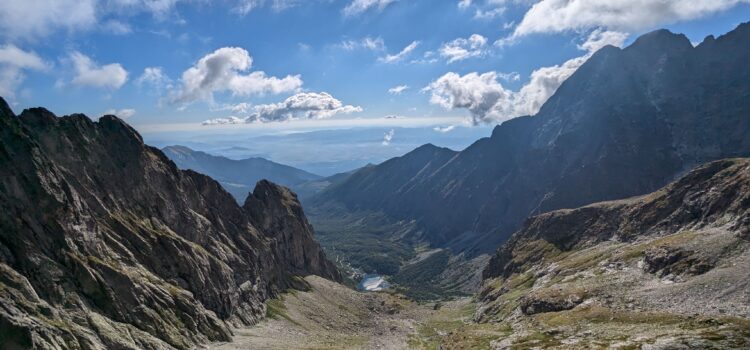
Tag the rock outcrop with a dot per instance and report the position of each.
(669, 267)
(105, 244)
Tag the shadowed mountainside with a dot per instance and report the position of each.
(626, 123)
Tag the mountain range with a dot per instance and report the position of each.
(238, 177)
(627, 122)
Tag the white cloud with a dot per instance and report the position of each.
(160, 9)
(33, 19)
(388, 137)
(512, 76)
(368, 43)
(445, 129)
(11, 55)
(397, 90)
(464, 4)
(123, 113)
(116, 27)
(553, 16)
(401, 55)
(89, 73)
(357, 7)
(228, 69)
(306, 105)
(489, 102)
(246, 6)
(13, 62)
(464, 48)
(155, 77)
(28, 20)
(600, 38)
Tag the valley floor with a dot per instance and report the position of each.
(332, 316)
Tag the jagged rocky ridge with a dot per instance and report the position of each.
(627, 122)
(664, 265)
(105, 244)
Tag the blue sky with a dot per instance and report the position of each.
(279, 67)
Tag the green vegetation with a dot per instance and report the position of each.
(366, 240)
(276, 309)
(418, 279)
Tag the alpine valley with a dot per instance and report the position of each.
(617, 217)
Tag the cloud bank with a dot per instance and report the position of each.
(306, 105)
(554, 16)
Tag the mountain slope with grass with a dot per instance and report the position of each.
(665, 270)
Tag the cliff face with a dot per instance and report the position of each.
(658, 270)
(105, 244)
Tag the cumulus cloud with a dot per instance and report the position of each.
(13, 63)
(90, 73)
(464, 4)
(553, 16)
(228, 69)
(397, 90)
(305, 105)
(401, 55)
(357, 7)
(122, 114)
(489, 102)
(388, 137)
(464, 48)
(368, 43)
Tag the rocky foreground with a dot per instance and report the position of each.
(105, 244)
(668, 270)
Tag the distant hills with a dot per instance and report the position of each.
(238, 177)
(628, 122)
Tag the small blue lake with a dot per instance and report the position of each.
(373, 283)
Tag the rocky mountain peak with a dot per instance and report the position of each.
(661, 40)
(106, 244)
